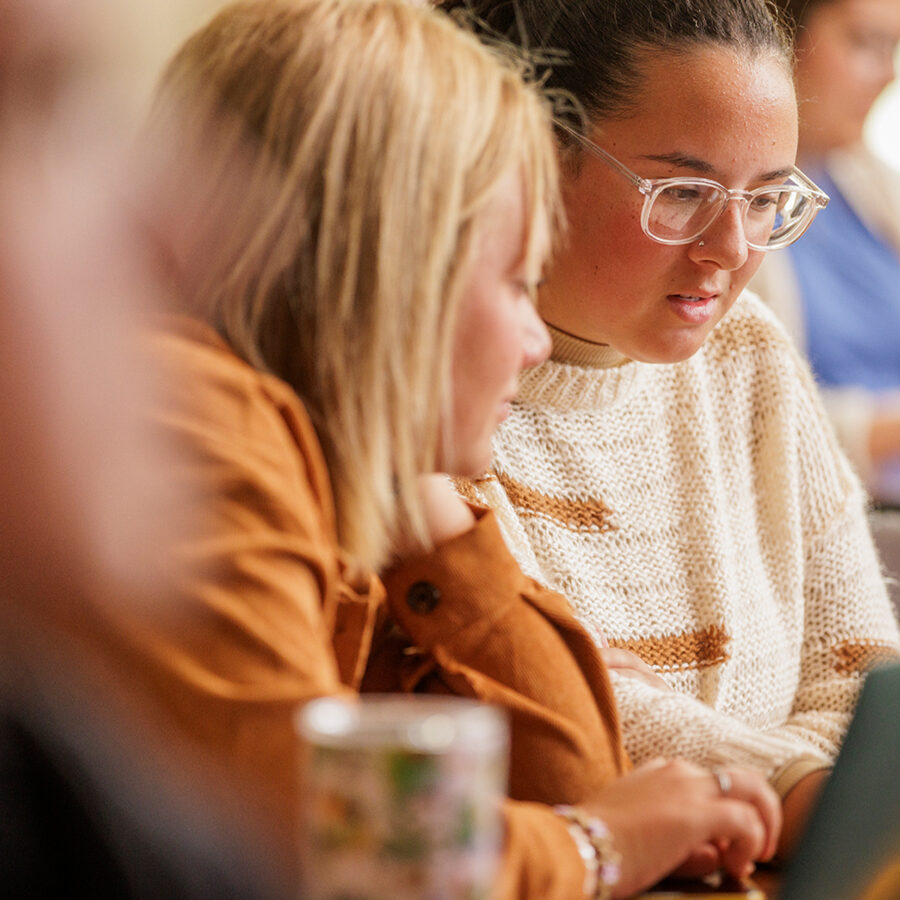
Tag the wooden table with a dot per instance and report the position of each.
(766, 879)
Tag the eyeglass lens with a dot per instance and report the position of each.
(682, 211)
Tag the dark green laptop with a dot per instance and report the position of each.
(851, 849)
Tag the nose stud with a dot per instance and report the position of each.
(702, 244)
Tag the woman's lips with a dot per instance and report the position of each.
(695, 309)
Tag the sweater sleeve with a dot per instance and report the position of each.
(656, 722)
(841, 639)
(848, 623)
(486, 631)
(845, 621)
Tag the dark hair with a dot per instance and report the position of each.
(597, 44)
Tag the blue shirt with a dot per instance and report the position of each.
(850, 285)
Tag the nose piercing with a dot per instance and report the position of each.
(723, 780)
(702, 244)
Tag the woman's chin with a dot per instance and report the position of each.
(469, 464)
(672, 349)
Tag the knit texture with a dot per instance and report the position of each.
(701, 515)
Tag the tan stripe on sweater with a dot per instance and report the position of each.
(688, 650)
(576, 515)
(852, 658)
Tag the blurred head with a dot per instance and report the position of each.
(388, 146)
(670, 88)
(845, 52)
(75, 275)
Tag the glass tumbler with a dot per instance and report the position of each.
(402, 797)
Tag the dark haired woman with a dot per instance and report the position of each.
(669, 469)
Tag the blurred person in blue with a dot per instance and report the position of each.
(838, 290)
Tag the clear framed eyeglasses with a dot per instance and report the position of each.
(679, 210)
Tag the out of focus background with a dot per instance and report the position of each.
(883, 127)
(162, 25)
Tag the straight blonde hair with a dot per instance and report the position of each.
(387, 128)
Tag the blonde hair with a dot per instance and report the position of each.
(389, 127)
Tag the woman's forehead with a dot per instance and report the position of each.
(707, 104)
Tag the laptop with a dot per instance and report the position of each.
(851, 848)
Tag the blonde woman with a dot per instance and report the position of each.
(393, 198)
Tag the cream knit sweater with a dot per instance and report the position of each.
(701, 515)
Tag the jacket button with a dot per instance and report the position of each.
(422, 597)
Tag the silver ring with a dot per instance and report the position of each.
(723, 780)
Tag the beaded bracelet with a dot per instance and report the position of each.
(595, 846)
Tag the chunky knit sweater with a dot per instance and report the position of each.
(701, 515)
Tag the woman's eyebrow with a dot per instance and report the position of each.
(684, 161)
(777, 173)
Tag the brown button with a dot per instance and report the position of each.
(422, 597)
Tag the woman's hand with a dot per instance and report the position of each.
(446, 515)
(667, 816)
(884, 434)
(630, 665)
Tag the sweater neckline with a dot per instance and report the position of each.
(575, 351)
(580, 376)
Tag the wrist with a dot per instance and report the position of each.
(595, 846)
(796, 807)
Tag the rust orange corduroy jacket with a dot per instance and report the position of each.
(269, 616)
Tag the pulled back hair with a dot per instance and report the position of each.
(599, 44)
(376, 132)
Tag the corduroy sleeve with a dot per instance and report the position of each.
(540, 858)
(492, 634)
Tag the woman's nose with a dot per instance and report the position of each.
(725, 241)
(535, 337)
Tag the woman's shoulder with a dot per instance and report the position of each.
(751, 361)
(186, 342)
(210, 393)
(858, 167)
(757, 376)
(750, 312)
(203, 371)
(871, 186)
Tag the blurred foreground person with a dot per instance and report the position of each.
(94, 800)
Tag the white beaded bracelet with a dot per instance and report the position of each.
(602, 863)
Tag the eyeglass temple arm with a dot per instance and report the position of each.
(820, 198)
(640, 183)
